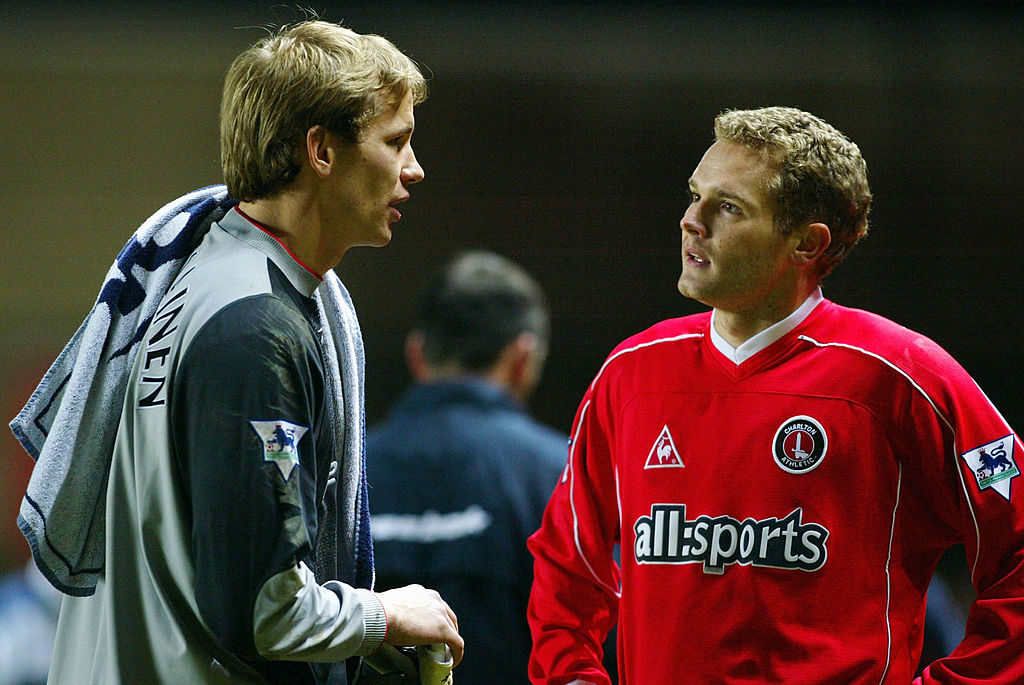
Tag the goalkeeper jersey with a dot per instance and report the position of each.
(216, 489)
(780, 513)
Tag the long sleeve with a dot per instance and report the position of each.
(254, 455)
(982, 497)
(575, 595)
(295, 619)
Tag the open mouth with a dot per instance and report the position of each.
(396, 213)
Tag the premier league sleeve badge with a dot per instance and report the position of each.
(280, 443)
(993, 465)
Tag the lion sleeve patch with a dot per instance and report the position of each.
(994, 465)
(280, 443)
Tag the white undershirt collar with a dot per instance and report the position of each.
(755, 344)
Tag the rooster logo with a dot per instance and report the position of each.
(663, 453)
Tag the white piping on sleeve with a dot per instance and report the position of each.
(963, 484)
(570, 472)
(618, 354)
(888, 577)
(572, 506)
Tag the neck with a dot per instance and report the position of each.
(295, 221)
(497, 375)
(739, 326)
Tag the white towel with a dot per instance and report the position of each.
(70, 421)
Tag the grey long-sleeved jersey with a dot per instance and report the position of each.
(219, 469)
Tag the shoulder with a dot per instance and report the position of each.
(250, 350)
(253, 324)
(867, 334)
(669, 331)
(530, 452)
(663, 341)
(546, 444)
(885, 359)
(232, 294)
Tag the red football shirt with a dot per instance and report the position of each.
(779, 519)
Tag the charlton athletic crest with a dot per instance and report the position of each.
(993, 465)
(800, 445)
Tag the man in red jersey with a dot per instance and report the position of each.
(782, 473)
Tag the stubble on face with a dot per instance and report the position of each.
(733, 258)
(374, 176)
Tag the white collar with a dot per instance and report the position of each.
(755, 344)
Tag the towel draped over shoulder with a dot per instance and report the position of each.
(71, 419)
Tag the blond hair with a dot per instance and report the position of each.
(820, 175)
(308, 74)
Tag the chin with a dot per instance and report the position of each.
(381, 238)
(692, 292)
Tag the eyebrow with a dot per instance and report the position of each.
(724, 193)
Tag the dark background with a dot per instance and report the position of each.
(559, 135)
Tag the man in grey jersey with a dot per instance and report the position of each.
(236, 435)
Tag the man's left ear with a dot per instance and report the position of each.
(814, 240)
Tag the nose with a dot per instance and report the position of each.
(412, 172)
(691, 221)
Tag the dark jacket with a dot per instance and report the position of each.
(459, 477)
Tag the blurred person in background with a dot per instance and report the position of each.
(459, 472)
(29, 607)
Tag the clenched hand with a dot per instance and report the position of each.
(418, 616)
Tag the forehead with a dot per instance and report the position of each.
(398, 117)
(735, 169)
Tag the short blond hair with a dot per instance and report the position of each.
(308, 74)
(820, 173)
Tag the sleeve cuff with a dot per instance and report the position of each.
(374, 620)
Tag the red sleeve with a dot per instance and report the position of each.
(575, 595)
(988, 495)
